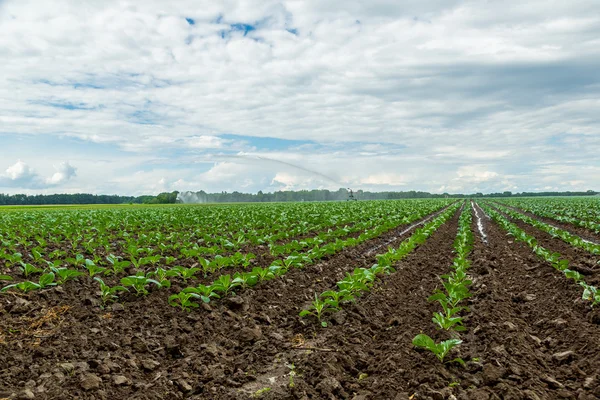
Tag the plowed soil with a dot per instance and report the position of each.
(585, 233)
(529, 335)
(579, 259)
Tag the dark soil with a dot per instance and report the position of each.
(574, 229)
(59, 343)
(529, 336)
(579, 259)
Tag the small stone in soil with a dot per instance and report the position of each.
(184, 386)
(150, 365)
(67, 367)
(589, 382)
(26, 394)
(564, 355)
(90, 382)
(553, 383)
(120, 380)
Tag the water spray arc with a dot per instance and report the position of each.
(191, 197)
(286, 163)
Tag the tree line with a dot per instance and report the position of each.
(260, 197)
(83, 198)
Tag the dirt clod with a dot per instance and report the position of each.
(237, 303)
(339, 317)
(590, 382)
(150, 365)
(20, 306)
(67, 367)
(552, 382)
(328, 385)
(120, 380)
(248, 334)
(90, 381)
(564, 356)
(184, 386)
(26, 394)
(492, 373)
(531, 395)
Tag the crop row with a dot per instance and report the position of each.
(92, 233)
(590, 292)
(160, 277)
(60, 237)
(117, 265)
(362, 279)
(141, 257)
(225, 283)
(565, 236)
(584, 213)
(455, 291)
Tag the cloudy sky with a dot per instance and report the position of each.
(133, 97)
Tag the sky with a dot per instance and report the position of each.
(132, 97)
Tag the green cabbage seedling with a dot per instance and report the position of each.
(184, 300)
(45, 281)
(28, 269)
(92, 268)
(224, 284)
(138, 282)
(320, 307)
(64, 274)
(109, 294)
(205, 292)
(439, 349)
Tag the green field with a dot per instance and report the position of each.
(393, 295)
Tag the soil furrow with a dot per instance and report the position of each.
(363, 253)
(584, 233)
(534, 335)
(579, 259)
(367, 349)
(203, 353)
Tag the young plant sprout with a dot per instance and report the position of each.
(440, 350)
(109, 294)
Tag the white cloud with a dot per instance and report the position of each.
(288, 181)
(405, 93)
(206, 142)
(21, 176)
(64, 172)
(385, 178)
(19, 172)
(475, 173)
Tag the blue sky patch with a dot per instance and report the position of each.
(242, 28)
(268, 143)
(65, 105)
(143, 117)
(84, 85)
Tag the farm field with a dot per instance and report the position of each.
(403, 299)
